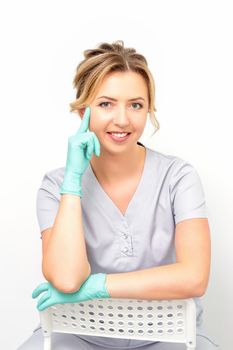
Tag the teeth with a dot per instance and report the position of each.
(119, 134)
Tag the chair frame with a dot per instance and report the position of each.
(153, 320)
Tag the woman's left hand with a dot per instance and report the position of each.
(94, 287)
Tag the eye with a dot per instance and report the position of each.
(102, 103)
(136, 103)
(106, 104)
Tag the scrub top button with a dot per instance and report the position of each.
(125, 249)
(125, 236)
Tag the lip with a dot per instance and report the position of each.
(117, 139)
(120, 132)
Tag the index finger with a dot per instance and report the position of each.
(85, 121)
(41, 288)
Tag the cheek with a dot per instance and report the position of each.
(97, 124)
(99, 121)
(140, 124)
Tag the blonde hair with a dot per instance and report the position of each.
(104, 59)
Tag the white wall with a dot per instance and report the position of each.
(188, 45)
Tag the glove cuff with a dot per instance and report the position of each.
(72, 184)
(100, 279)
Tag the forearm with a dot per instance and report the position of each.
(173, 281)
(65, 262)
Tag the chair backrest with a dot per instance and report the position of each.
(154, 320)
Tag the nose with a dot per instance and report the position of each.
(120, 118)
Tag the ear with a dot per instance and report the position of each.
(81, 112)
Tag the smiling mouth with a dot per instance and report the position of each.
(119, 137)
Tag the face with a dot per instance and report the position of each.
(123, 108)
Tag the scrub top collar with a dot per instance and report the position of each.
(96, 191)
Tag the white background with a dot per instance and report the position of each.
(188, 45)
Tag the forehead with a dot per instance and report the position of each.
(124, 83)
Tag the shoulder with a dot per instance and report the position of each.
(52, 180)
(48, 197)
(168, 163)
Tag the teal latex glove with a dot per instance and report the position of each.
(80, 149)
(94, 287)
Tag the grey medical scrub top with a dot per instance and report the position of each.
(169, 191)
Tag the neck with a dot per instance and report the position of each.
(112, 168)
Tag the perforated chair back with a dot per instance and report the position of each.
(155, 320)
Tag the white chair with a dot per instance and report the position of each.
(155, 320)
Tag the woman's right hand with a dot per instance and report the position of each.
(80, 150)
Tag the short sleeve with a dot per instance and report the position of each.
(48, 200)
(187, 193)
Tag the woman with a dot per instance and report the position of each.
(120, 212)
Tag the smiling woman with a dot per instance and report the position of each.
(120, 220)
(119, 117)
(106, 59)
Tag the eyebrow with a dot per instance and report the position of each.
(113, 99)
